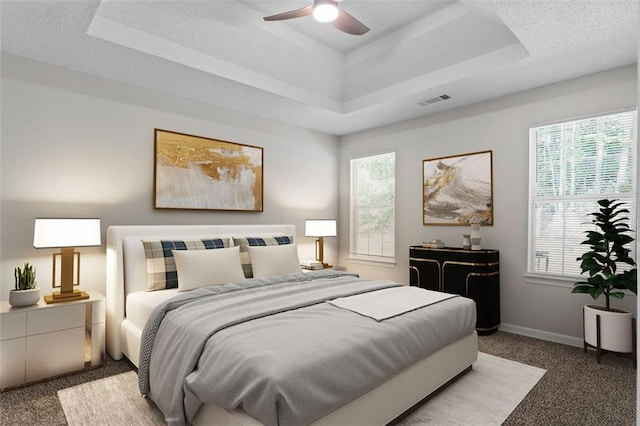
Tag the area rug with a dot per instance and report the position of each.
(484, 396)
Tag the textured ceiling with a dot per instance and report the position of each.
(309, 74)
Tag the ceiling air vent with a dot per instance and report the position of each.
(430, 101)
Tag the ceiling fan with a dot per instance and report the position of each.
(325, 11)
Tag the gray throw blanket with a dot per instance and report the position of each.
(302, 359)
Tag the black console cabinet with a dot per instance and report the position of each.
(471, 273)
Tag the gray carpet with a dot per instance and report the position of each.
(38, 404)
(574, 391)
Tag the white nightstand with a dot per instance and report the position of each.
(41, 341)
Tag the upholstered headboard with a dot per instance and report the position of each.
(126, 267)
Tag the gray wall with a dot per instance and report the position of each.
(500, 125)
(74, 145)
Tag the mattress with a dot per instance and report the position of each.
(140, 304)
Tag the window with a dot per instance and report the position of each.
(373, 207)
(572, 166)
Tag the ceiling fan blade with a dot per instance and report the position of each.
(348, 24)
(298, 13)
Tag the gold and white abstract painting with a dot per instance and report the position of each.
(458, 190)
(193, 172)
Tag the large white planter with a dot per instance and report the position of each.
(616, 327)
(29, 297)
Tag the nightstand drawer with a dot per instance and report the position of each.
(57, 318)
(55, 353)
(13, 325)
(12, 367)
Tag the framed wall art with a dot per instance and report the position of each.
(194, 172)
(458, 190)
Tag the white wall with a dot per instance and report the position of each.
(500, 125)
(75, 145)
(78, 145)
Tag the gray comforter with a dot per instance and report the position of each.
(274, 348)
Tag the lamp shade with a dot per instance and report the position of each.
(54, 233)
(320, 228)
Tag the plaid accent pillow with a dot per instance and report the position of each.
(161, 266)
(245, 242)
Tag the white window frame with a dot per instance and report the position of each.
(566, 280)
(368, 258)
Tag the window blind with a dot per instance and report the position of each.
(373, 206)
(572, 166)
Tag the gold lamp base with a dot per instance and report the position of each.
(66, 297)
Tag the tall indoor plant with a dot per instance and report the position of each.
(604, 262)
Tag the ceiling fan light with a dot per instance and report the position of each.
(325, 12)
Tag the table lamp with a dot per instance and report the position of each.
(320, 228)
(66, 234)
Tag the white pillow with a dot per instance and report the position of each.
(267, 261)
(201, 268)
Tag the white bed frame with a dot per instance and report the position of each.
(126, 273)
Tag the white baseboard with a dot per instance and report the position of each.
(544, 335)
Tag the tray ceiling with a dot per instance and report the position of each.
(309, 74)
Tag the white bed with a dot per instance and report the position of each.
(126, 275)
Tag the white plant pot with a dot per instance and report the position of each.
(29, 297)
(615, 329)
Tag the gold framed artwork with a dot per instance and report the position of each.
(194, 172)
(458, 190)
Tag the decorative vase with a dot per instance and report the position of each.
(466, 241)
(616, 327)
(475, 237)
(28, 297)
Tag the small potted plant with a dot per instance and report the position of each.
(26, 291)
(605, 263)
